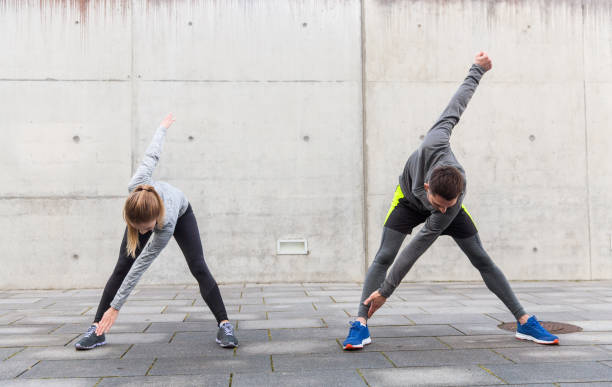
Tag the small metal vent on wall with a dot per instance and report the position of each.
(292, 247)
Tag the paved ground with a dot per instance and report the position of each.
(426, 335)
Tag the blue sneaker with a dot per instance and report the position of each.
(532, 330)
(359, 335)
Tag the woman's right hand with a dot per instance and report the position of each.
(167, 121)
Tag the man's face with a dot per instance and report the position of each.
(438, 202)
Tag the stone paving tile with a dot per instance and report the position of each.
(298, 300)
(243, 336)
(100, 367)
(479, 329)
(552, 372)
(234, 316)
(401, 310)
(210, 365)
(327, 378)
(187, 326)
(586, 338)
(591, 384)
(446, 357)
(429, 376)
(545, 316)
(316, 346)
(53, 319)
(336, 293)
(373, 322)
(405, 344)
(452, 318)
(593, 315)
(561, 353)
(134, 338)
(294, 294)
(412, 331)
(281, 323)
(10, 318)
(7, 301)
(486, 341)
(26, 330)
(34, 340)
(118, 327)
(304, 308)
(166, 381)
(59, 382)
(148, 318)
(131, 302)
(150, 351)
(604, 306)
(10, 369)
(69, 352)
(461, 309)
(194, 309)
(235, 301)
(344, 360)
(348, 306)
(6, 352)
(338, 313)
(129, 309)
(313, 333)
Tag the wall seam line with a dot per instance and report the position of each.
(364, 155)
(586, 148)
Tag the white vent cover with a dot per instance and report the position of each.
(292, 247)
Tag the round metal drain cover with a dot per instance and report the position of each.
(553, 327)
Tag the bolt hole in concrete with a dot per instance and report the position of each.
(75, 256)
(422, 136)
(555, 328)
(532, 138)
(304, 24)
(190, 23)
(306, 138)
(76, 139)
(419, 25)
(76, 22)
(535, 249)
(190, 138)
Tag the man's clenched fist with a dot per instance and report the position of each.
(483, 60)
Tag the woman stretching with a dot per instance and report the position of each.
(157, 209)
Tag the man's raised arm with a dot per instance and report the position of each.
(440, 132)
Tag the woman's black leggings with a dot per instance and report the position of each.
(187, 236)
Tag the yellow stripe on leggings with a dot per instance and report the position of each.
(468, 214)
(398, 195)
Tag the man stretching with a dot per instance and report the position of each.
(431, 190)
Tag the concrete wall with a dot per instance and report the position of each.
(270, 140)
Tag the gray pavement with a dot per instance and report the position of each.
(428, 334)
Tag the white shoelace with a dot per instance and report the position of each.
(228, 329)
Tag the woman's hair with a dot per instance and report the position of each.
(142, 206)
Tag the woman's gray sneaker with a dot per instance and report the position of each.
(90, 339)
(225, 336)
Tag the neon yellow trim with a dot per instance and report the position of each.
(398, 195)
(468, 214)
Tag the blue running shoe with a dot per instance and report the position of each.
(532, 330)
(359, 335)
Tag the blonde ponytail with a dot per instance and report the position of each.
(142, 206)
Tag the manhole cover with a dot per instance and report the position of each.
(553, 327)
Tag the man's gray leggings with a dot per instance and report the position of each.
(471, 246)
